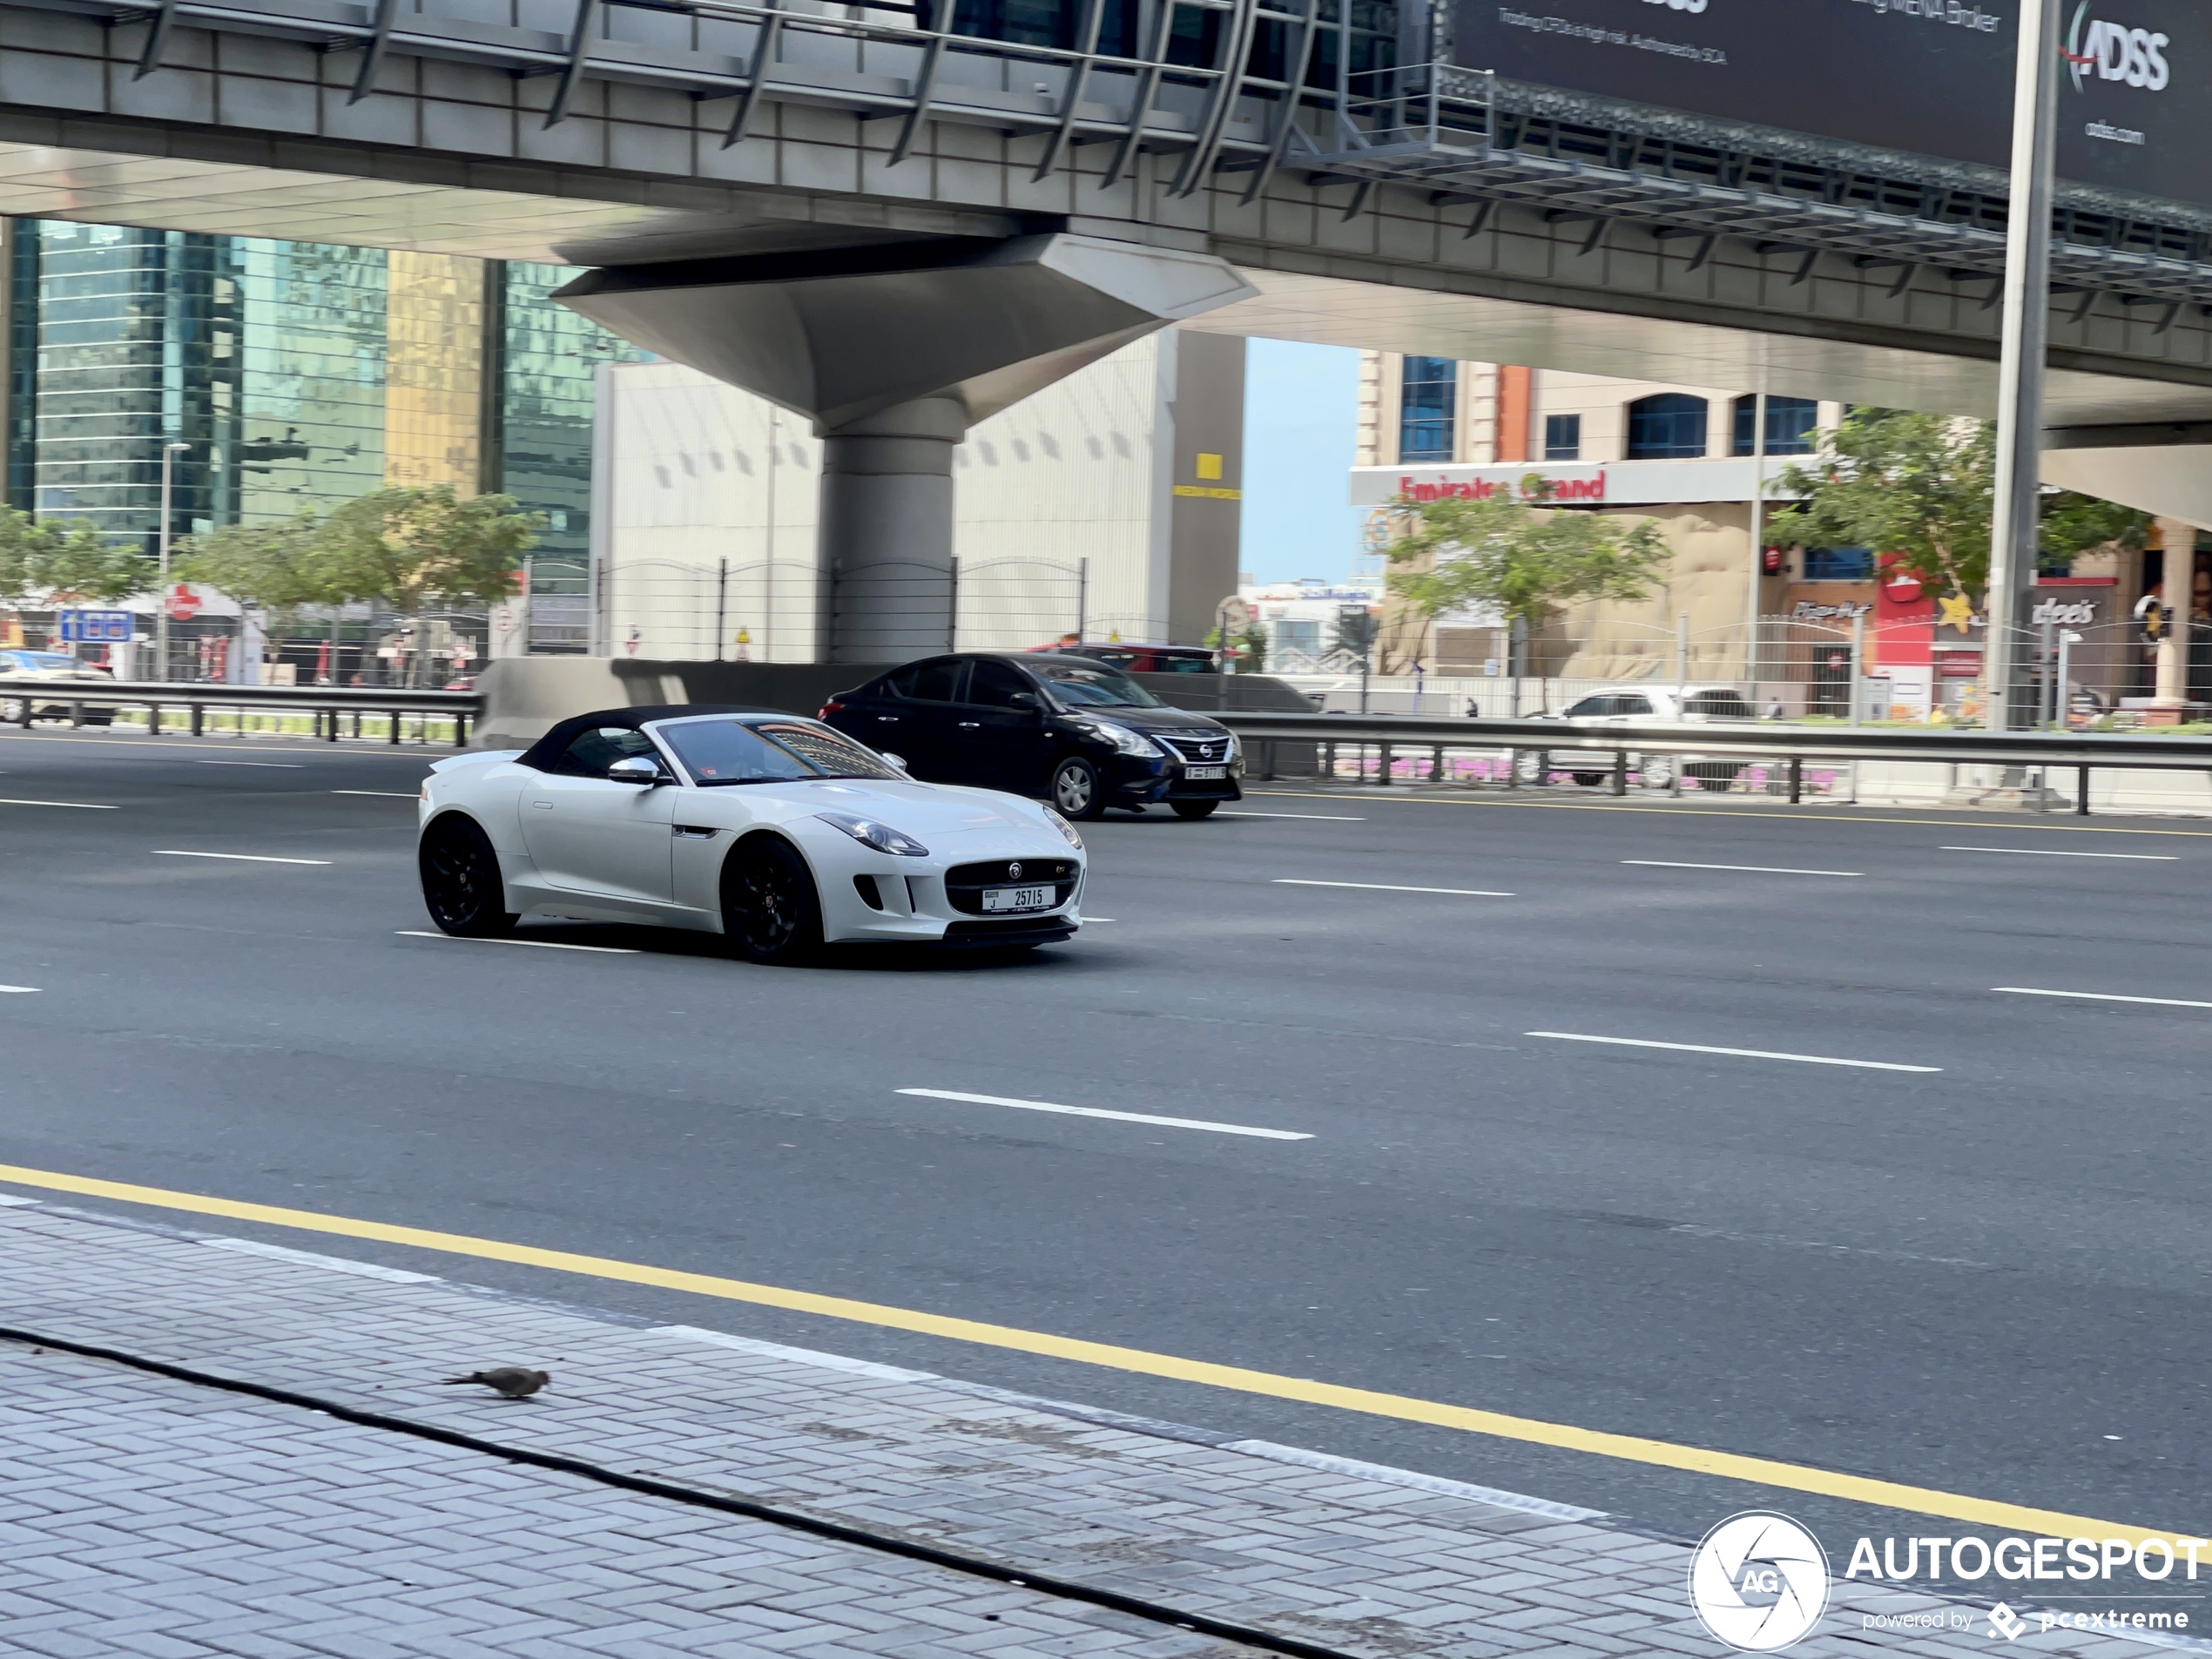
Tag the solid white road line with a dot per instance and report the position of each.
(75, 806)
(18, 990)
(1743, 1054)
(1318, 818)
(2103, 996)
(280, 766)
(1119, 1118)
(1755, 869)
(1384, 887)
(236, 858)
(381, 794)
(2051, 853)
(538, 944)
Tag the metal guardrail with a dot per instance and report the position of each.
(33, 698)
(1397, 736)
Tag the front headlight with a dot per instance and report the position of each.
(879, 836)
(1123, 740)
(1065, 829)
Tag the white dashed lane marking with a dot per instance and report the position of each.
(1381, 887)
(235, 857)
(2102, 996)
(1122, 1117)
(1740, 1054)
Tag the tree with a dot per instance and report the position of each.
(1520, 561)
(276, 567)
(1917, 490)
(410, 546)
(72, 562)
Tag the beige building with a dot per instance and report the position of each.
(1687, 458)
(1108, 504)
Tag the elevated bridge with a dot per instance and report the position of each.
(895, 220)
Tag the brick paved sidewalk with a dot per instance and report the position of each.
(149, 1516)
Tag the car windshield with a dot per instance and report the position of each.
(47, 659)
(736, 751)
(1100, 687)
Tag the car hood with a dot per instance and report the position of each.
(920, 809)
(1164, 721)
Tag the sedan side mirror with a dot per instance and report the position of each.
(641, 770)
(898, 761)
(1023, 699)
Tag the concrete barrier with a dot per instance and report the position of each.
(524, 696)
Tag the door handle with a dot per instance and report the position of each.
(971, 725)
(542, 806)
(887, 720)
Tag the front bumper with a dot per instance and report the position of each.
(874, 898)
(1139, 780)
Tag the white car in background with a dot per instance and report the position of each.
(771, 828)
(1632, 706)
(59, 667)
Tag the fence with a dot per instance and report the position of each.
(330, 710)
(774, 611)
(2043, 771)
(349, 645)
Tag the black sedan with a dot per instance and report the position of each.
(1073, 730)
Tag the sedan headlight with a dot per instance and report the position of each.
(1065, 829)
(879, 836)
(1123, 740)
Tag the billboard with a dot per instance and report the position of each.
(1934, 77)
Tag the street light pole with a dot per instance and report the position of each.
(2012, 531)
(161, 614)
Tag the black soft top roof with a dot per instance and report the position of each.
(550, 748)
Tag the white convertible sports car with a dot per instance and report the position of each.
(769, 827)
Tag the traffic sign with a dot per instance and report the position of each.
(183, 604)
(93, 627)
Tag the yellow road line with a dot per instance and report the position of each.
(1628, 1447)
(1771, 814)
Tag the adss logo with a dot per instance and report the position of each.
(1759, 1581)
(2113, 51)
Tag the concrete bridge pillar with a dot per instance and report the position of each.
(886, 530)
(893, 350)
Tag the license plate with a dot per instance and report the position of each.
(1205, 774)
(1017, 899)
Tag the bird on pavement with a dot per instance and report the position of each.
(513, 1382)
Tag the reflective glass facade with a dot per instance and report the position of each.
(1427, 409)
(548, 361)
(301, 375)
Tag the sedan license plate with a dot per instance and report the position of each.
(1205, 774)
(1017, 899)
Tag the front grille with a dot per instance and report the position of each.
(1205, 751)
(964, 883)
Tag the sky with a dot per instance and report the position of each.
(1301, 413)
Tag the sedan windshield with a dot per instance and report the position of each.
(1100, 687)
(733, 752)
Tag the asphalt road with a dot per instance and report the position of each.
(1988, 1278)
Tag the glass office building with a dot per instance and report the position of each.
(299, 375)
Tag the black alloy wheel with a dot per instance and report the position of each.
(1194, 808)
(769, 909)
(460, 884)
(1077, 790)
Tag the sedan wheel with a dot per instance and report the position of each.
(769, 909)
(461, 885)
(1076, 789)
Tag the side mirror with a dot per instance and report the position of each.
(641, 770)
(1023, 699)
(898, 761)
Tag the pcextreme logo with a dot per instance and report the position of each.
(2115, 53)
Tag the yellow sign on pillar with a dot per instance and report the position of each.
(1208, 466)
